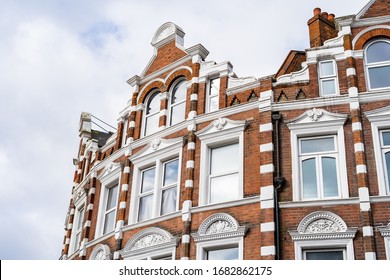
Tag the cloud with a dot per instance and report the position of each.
(60, 58)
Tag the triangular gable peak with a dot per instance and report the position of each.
(168, 43)
(374, 8)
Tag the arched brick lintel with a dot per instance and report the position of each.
(367, 36)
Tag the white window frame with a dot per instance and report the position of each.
(203, 247)
(208, 96)
(344, 244)
(322, 78)
(158, 186)
(217, 135)
(109, 178)
(315, 250)
(367, 65)
(157, 94)
(318, 156)
(317, 122)
(227, 235)
(380, 121)
(73, 247)
(125, 127)
(172, 106)
(154, 155)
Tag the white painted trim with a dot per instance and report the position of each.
(194, 97)
(361, 168)
(267, 193)
(359, 147)
(267, 204)
(364, 195)
(267, 251)
(269, 147)
(190, 164)
(125, 187)
(356, 126)
(266, 127)
(351, 71)
(185, 238)
(266, 227)
(370, 256)
(266, 168)
(189, 183)
(191, 146)
(365, 206)
(368, 231)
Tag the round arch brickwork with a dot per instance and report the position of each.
(145, 91)
(364, 38)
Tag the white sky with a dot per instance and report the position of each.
(59, 58)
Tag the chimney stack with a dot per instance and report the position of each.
(321, 28)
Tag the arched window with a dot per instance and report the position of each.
(178, 103)
(152, 114)
(377, 61)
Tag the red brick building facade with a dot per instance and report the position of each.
(208, 165)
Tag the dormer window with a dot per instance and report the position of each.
(152, 115)
(377, 62)
(178, 103)
(328, 78)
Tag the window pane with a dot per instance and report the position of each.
(80, 219)
(167, 257)
(111, 198)
(214, 95)
(327, 69)
(223, 254)
(328, 87)
(386, 138)
(224, 188)
(148, 180)
(214, 87)
(179, 92)
(387, 158)
(309, 178)
(171, 172)
(153, 104)
(224, 159)
(109, 222)
(213, 106)
(325, 255)
(178, 113)
(151, 124)
(168, 201)
(145, 208)
(379, 51)
(77, 241)
(329, 175)
(317, 145)
(379, 77)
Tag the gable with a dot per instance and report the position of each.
(375, 8)
(166, 55)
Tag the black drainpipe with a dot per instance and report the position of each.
(279, 182)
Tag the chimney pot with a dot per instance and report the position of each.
(317, 11)
(325, 15)
(331, 17)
